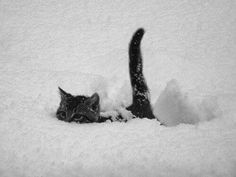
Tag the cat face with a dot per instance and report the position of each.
(80, 109)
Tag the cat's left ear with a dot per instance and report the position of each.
(63, 94)
(93, 101)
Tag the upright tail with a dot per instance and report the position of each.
(141, 106)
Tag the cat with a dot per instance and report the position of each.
(86, 109)
(80, 108)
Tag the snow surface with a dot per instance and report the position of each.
(189, 54)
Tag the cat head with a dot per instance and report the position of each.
(81, 109)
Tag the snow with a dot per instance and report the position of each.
(174, 106)
(189, 64)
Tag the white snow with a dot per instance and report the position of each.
(174, 107)
(189, 56)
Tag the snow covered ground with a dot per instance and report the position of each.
(189, 54)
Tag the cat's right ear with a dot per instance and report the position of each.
(93, 102)
(63, 94)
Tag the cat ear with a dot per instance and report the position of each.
(63, 94)
(93, 101)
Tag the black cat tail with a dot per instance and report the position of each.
(141, 106)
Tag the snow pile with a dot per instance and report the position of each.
(174, 107)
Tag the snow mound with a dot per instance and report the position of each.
(174, 107)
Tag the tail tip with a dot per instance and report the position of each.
(137, 37)
(140, 31)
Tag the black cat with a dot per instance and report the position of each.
(84, 109)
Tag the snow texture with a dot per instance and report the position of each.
(189, 56)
